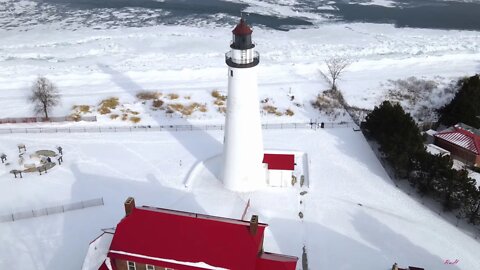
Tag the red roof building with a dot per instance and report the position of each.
(462, 141)
(156, 238)
(280, 169)
(279, 161)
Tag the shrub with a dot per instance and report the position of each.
(114, 116)
(124, 117)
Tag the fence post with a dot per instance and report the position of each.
(13, 217)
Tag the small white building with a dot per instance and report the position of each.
(280, 169)
(437, 150)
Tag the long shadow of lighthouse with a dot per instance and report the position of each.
(195, 146)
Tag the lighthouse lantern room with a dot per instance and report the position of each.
(243, 169)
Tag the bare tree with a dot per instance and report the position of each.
(336, 66)
(44, 96)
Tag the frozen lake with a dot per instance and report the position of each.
(279, 15)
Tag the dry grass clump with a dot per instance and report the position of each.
(327, 102)
(76, 117)
(81, 108)
(270, 109)
(107, 105)
(219, 102)
(124, 117)
(135, 119)
(289, 112)
(114, 116)
(203, 108)
(186, 110)
(222, 109)
(148, 95)
(217, 95)
(130, 111)
(157, 103)
(173, 96)
(187, 97)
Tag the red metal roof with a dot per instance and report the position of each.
(279, 161)
(242, 29)
(461, 137)
(177, 239)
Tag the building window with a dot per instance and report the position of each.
(150, 267)
(131, 265)
(231, 73)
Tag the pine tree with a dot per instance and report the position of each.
(465, 106)
(397, 134)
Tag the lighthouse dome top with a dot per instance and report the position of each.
(242, 28)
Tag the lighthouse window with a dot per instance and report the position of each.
(231, 73)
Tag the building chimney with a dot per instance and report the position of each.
(253, 225)
(129, 205)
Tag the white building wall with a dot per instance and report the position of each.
(279, 178)
(243, 146)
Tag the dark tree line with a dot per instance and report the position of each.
(465, 106)
(401, 143)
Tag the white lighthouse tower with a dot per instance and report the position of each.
(243, 146)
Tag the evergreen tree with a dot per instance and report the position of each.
(470, 204)
(465, 106)
(397, 134)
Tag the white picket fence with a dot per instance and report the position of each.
(51, 210)
(100, 129)
(18, 120)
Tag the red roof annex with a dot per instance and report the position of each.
(279, 161)
(461, 137)
(186, 241)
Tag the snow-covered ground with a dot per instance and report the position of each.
(354, 216)
(388, 226)
(91, 65)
